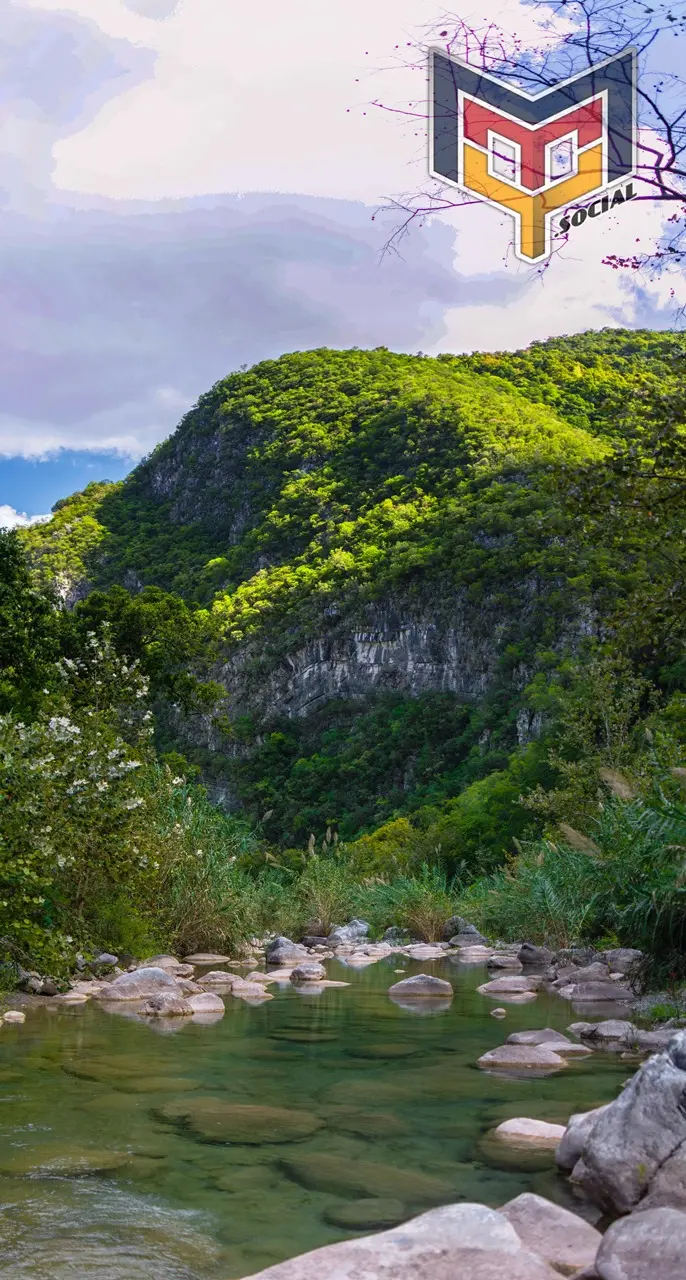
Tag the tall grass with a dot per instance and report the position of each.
(630, 883)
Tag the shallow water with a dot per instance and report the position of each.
(387, 1103)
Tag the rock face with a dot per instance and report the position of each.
(635, 1153)
(457, 1242)
(650, 1245)
(143, 984)
(564, 1240)
(577, 1132)
(423, 986)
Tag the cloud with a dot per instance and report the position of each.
(11, 519)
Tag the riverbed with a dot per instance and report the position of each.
(121, 1159)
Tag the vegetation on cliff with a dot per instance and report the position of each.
(538, 493)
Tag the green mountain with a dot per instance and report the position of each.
(375, 548)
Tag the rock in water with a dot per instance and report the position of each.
(578, 1130)
(206, 1003)
(649, 1245)
(564, 1240)
(521, 1057)
(637, 1147)
(423, 986)
(546, 1036)
(143, 984)
(366, 1215)
(167, 1006)
(529, 954)
(523, 1132)
(510, 983)
(339, 1176)
(456, 1242)
(282, 951)
(346, 935)
(310, 972)
(216, 1120)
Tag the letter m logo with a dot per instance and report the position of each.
(531, 155)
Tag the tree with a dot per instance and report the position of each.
(30, 629)
(574, 35)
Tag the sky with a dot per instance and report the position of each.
(189, 186)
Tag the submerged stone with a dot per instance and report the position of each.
(366, 1215)
(215, 1120)
(319, 1171)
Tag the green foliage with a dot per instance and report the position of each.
(29, 632)
(420, 903)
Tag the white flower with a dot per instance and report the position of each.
(176, 782)
(102, 786)
(198, 853)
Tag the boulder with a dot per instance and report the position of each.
(622, 959)
(504, 960)
(596, 972)
(310, 972)
(365, 1215)
(595, 992)
(508, 983)
(14, 1015)
(468, 937)
(528, 954)
(142, 984)
(396, 937)
(206, 1002)
(206, 957)
(456, 924)
(281, 951)
(426, 951)
(521, 1057)
(649, 1245)
(578, 1130)
(346, 935)
(217, 1120)
(347, 1176)
(523, 1132)
(167, 1006)
(546, 1036)
(553, 1233)
(468, 1241)
(423, 986)
(610, 1030)
(635, 1137)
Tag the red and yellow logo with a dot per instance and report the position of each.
(533, 155)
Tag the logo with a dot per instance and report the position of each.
(532, 155)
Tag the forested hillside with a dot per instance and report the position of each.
(419, 603)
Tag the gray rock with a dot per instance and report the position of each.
(622, 959)
(649, 1245)
(576, 1135)
(546, 1036)
(282, 951)
(507, 984)
(167, 1006)
(562, 1238)
(596, 972)
(610, 1029)
(469, 937)
(206, 1002)
(346, 935)
(459, 1240)
(49, 987)
(596, 992)
(456, 924)
(521, 1057)
(529, 954)
(312, 971)
(313, 940)
(637, 1134)
(396, 937)
(142, 984)
(503, 960)
(422, 986)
